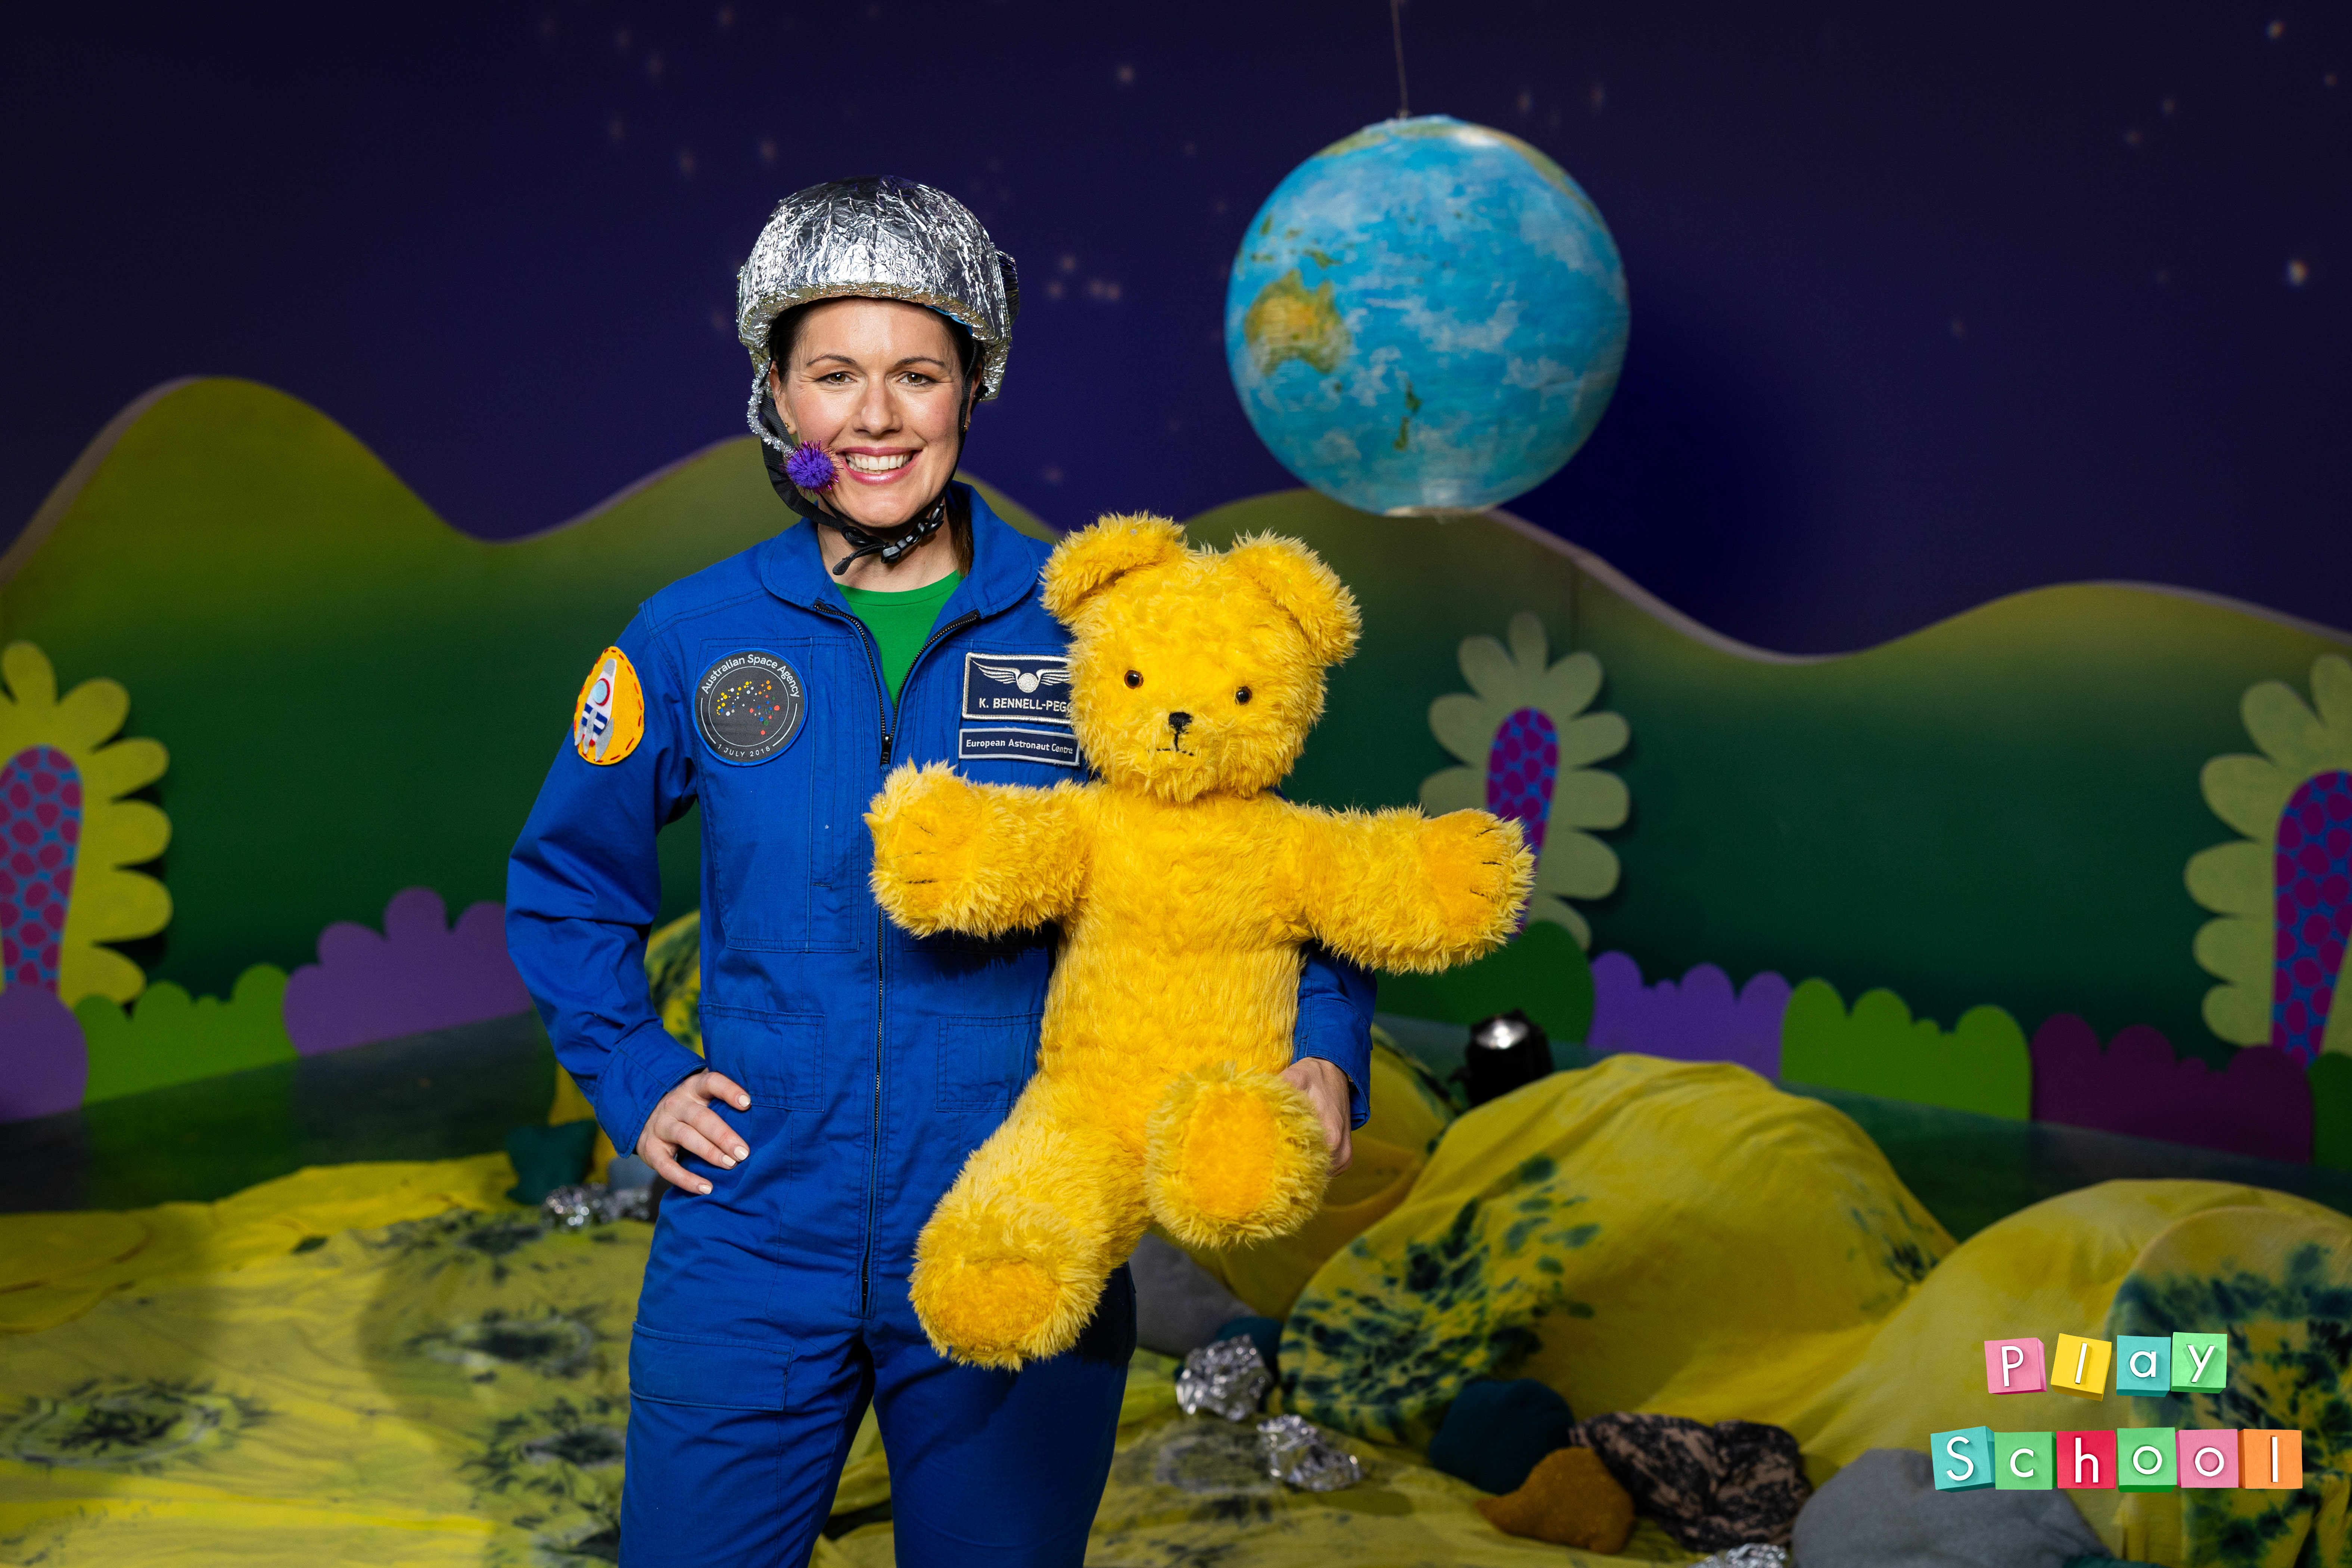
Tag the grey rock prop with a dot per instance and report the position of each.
(1179, 1305)
(1884, 1511)
(626, 1170)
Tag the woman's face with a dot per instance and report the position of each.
(877, 383)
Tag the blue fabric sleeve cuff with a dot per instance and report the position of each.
(645, 1064)
(1334, 1031)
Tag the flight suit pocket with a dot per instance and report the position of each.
(778, 1058)
(784, 835)
(720, 1375)
(984, 1062)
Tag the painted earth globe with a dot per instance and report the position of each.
(1427, 317)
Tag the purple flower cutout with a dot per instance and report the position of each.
(810, 467)
(421, 974)
(2260, 1104)
(1700, 1019)
(44, 1061)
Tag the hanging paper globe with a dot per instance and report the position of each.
(1429, 316)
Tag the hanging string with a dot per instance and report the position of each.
(1396, 32)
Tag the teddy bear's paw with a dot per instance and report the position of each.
(1478, 872)
(985, 1301)
(1234, 1157)
(927, 828)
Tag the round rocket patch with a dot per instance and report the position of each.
(610, 718)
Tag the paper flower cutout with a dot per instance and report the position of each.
(44, 1063)
(1528, 744)
(2285, 890)
(1698, 1020)
(2261, 1104)
(1980, 1065)
(421, 974)
(168, 1037)
(66, 834)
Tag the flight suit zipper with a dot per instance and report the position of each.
(881, 931)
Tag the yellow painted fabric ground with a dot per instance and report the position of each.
(387, 1365)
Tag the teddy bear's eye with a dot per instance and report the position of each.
(1243, 695)
(1134, 677)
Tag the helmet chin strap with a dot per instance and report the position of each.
(862, 542)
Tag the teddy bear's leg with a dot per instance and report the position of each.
(1234, 1157)
(1011, 1265)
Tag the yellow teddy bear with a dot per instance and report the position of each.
(1183, 886)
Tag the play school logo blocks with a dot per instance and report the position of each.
(2133, 1459)
(2185, 1363)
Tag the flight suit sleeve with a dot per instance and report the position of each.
(584, 886)
(1335, 1023)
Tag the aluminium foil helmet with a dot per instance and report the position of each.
(880, 238)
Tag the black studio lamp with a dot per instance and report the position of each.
(1507, 1051)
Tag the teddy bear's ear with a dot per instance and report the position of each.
(1308, 591)
(1094, 558)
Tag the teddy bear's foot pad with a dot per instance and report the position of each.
(990, 1306)
(1235, 1157)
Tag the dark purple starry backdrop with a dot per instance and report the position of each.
(1930, 302)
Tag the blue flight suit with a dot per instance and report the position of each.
(776, 1307)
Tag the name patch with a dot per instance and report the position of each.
(1008, 743)
(1020, 688)
(748, 705)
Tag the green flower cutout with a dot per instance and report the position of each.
(1528, 744)
(2282, 890)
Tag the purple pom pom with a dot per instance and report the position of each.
(810, 467)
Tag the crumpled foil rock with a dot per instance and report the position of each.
(1227, 1378)
(593, 1203)
(1297, 1454)
(1752, 1555)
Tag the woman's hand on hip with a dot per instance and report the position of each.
(685, 1124)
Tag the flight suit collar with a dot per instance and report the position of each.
(1004, 569)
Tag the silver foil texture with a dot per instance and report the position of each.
(1227, 1379)
(1753, 1555)
(1297, 1454)
(877, 238)
(593, 1203)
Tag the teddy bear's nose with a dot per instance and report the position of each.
(1179, 723)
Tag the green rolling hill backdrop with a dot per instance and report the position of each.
(357, 698)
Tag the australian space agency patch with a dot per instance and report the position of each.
(611, 717)
(748, 705)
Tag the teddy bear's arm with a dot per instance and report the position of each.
(1398, 891)
(952, 855)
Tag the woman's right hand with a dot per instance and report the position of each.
(684, 1122)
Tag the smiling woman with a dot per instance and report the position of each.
(878, 312)
(884, 390)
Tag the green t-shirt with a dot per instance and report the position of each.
(900, 621)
